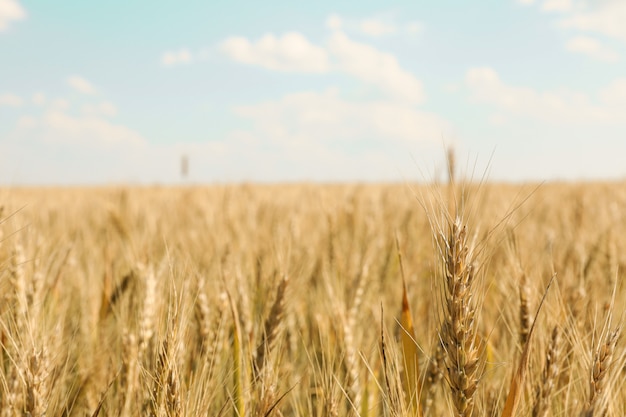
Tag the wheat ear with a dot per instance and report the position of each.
(37, 383)
(602, 364)
(549, 375)
(524, 310)
(271, 327)
(458, 333)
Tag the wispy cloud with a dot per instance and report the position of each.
(60, 104)
(326, 116)
(375, 67)
(334, 22)
(90, 130)
(557, 6)
(561, 106)
(584, 20)
(294, 53)
(10, 100)
(81, 85)
(592, 48)
(374, 26)
(550, 5)
(51, 122)
(10, 10)
(105, 108)
(606, 18)
(413, 28)
(615, 93)
(57, 126)
(182, 56)
(291, 52)
(39, 99)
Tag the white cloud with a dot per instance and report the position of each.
(615, 93)
(55, 145)
(290, 53)
(182, 56)
(607, 18)
(334, 22)
(60, 104)
(11, 100)
(293, 52)
(557, 6)
(10, 10)
(589, 17)
(107, 108)
(552, 106)
(321, 136)
(414, 28)
(56, 125)
(375, 67)
(526, 2)
(592, 48)
(81, 85)
(376, 27)
(57, 148)
(104, 108)
(26, 122)
(326, 117)
(39, 99)
(63, 128)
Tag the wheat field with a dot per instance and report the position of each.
(313, 300)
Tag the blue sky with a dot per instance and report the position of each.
(110, 92)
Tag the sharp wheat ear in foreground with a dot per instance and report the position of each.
(459, 328)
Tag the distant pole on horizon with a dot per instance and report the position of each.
(184, 167)
(451, 164)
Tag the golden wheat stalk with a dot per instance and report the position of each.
(37, 383)
(148, 312)
(19, 285)
(434, 375)
(202, 317)
(601, 367)
(524, 310)
(354, 385)
(517, 382)
(12, 395)
(271, 327)
(129, 372)
(238, 365)
(549, 375)
(458, 332)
